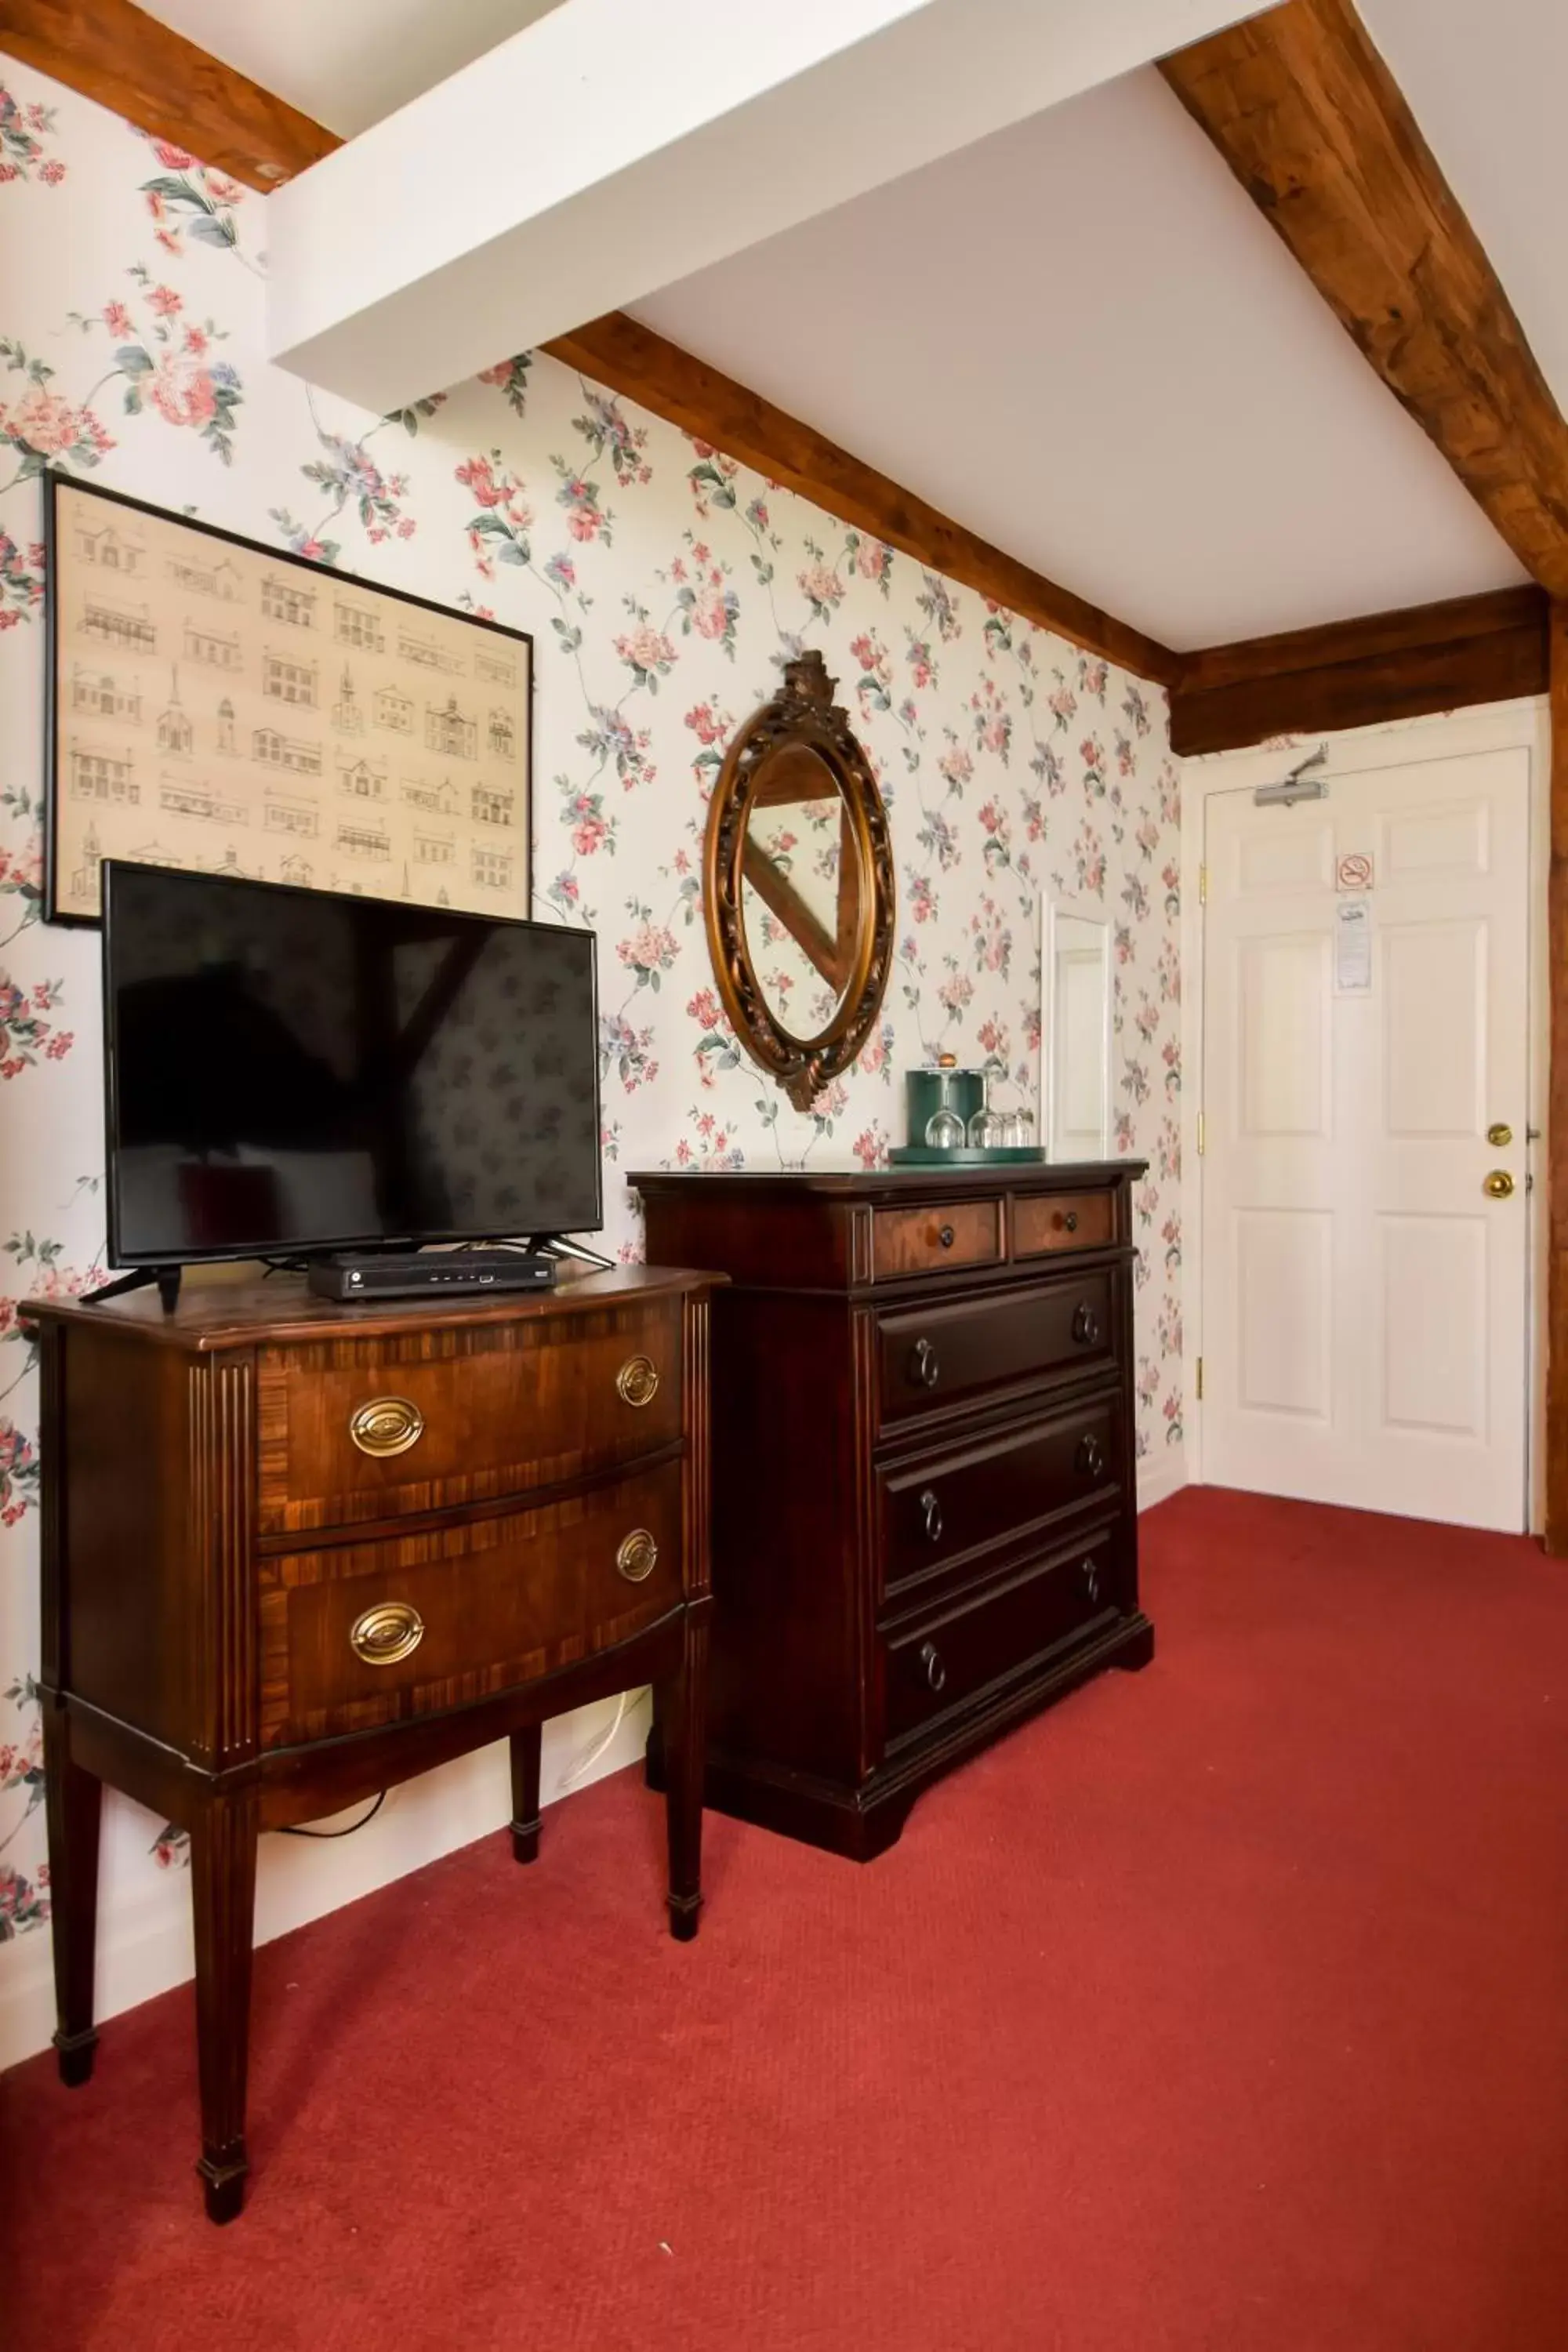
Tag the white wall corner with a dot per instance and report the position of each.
(1159, 1476)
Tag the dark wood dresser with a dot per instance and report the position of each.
(295, 1552)
(925, 1520)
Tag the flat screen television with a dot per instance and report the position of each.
(292, 1071)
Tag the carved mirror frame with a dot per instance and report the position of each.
(802, 716)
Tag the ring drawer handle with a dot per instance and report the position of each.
(637, 1556)
(1091, 1456)
(386, 1424)
(945, 1236)
(636, 1382)
(932, 1666)
(931, 1510)
(390, 1630)
(925, 1365)
(1091, 1579)
(1085, 1324)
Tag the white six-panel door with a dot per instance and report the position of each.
(1364, 1294)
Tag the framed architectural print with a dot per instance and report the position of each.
(232, 709)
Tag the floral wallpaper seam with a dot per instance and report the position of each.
(665, 585)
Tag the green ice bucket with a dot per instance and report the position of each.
(928, 1091)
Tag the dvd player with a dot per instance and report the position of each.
(427, 1273)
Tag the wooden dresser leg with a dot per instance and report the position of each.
(683, 1723)
(525, 1748)
(74, 1809)
(223, 1895)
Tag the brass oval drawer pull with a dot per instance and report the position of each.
(636, 1382)
(386, 1424)
(637, 1557)
(390, 1630)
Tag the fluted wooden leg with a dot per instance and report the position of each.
(73, 1802)
(525, 1749)
(683, 1727)
(223, 1895)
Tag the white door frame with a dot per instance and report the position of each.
(1505, 726)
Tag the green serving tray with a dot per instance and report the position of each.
(963, 1155)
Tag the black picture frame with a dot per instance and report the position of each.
(56, 480)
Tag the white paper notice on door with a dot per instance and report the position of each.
(1353, 947)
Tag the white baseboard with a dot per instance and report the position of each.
(1159, 1478)
(144, 1941)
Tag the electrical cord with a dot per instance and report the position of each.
(291, 1828)
(600, 1748)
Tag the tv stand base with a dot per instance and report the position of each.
(167, 1278)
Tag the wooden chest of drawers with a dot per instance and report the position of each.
(925, 1522)
(296, 1552)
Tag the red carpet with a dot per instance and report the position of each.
(1227, 2006)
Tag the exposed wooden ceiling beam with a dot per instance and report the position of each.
(1310, 121)
(116, 54)
(1386, 666)
(633, 359)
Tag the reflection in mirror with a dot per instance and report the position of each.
(1077, 1031)
(800, 892)
(797, 886)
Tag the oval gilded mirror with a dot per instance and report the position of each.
(798, 886)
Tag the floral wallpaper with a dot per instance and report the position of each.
(664, 586)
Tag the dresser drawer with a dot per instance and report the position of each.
(932, 1241)
(365, 1634)
(950, 1507)
(949, 1660)
(369, 1429)
(1062, 1221)
(938, 1354)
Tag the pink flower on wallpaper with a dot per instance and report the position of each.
(704, 1009)
(711, 614)
(181, 390)
(707, 727)
(165, 302)
(46, 422)
(821, 586)
(478, 475)
(647, 651)
(172, 158)
(650, 950)
(872, 558)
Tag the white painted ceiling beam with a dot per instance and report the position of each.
(616, 146)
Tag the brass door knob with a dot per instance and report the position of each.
(1498, 1185)
(386, 1424)
(382, 1635)
(1499, 1136)
(637, 1557)
(636, 1382)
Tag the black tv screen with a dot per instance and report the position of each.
(292, 1071)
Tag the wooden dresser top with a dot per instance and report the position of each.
(220, 1315)
(893, 1184)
